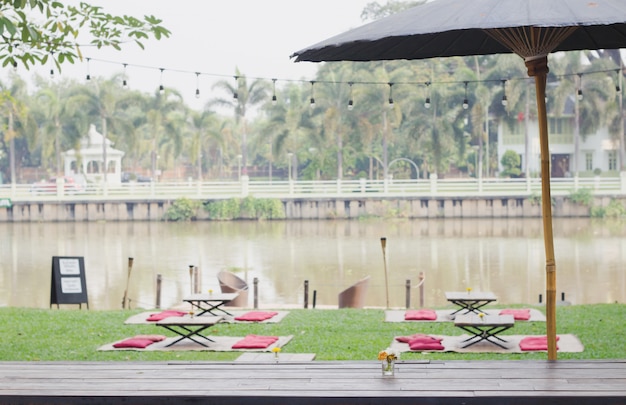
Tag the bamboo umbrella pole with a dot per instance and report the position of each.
(383, 243)
(539, 69)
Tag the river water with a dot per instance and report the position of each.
(505, 256)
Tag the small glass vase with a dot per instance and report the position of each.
(388, 367)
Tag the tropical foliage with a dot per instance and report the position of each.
(352, 120)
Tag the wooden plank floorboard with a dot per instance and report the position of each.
(356, 382)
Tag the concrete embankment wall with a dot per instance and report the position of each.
(322, 208)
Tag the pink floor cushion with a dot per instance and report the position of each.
(418, 337)
(164, 314)
(134, 342)
(256, 316)
(425, 342)
(255, 342)
(531, 343)
(518, 314)
(154, 338)
(420, 315)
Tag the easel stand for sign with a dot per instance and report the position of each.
(68, 284)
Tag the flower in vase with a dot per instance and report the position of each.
(388, 355)
(276, 350)
(469, 290)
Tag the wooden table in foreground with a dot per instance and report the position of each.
(516, 382)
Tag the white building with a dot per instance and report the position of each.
(596, 151)
(90, 155)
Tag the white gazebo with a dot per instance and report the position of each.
(90, 155)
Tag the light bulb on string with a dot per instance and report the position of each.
(197, 84)
(235, 91)
(390, 95)
(579, 93)
(88, 77)
(52, 67)
(427, 101)
(161, 87)
(465, 101)
(350, 101)
(14, 66)
(618, 89)
(504, 99)
(312, 103)
(124, 82)
(274, 92)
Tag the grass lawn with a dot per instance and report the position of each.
(338, 334)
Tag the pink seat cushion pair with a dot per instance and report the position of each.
(256, 316)
(518, 314)
(255, 342)
(420, 315)
(533, 343)
(164, 314)
(139, 341)
(419, 342)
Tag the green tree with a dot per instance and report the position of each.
(36, 31)
(510, 162)
(243, 97)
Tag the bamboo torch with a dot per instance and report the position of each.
(130, 269)
(383, 244)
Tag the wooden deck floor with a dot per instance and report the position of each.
(317, 382)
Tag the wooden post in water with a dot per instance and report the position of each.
(255, 282)
(130, 268)
(408, 293)
(196, 280)
(191, 278)
(383, 244)
(306, 294)
(421, 284)
(159, 281)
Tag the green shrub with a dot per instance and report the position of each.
(182, 209)
(249, 207)
(582, 196)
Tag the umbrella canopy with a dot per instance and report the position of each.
(530, 28)
(470, 27)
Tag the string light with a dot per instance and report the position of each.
(197, 84)
(504, 100)
(14, 66)
(88, 77)
(124, 82)
(618, 89)
(465, 102)
(350, 102)
(274, 92)
(427, 102)
(235, 91)
(161, 88)
(312, 103)
(580, 87)
(52, 67)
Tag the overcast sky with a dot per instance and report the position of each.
(216, 36)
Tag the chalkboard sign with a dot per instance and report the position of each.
(68, 281)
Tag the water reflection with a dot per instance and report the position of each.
(502, 255)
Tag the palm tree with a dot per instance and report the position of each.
(19, 121)
(243, 98)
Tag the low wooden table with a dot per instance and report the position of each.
(189, 327)
(470, 302)
(485, 327)
(210, 302)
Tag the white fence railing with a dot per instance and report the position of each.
(491, 187)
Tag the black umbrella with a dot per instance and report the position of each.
(529, 28)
